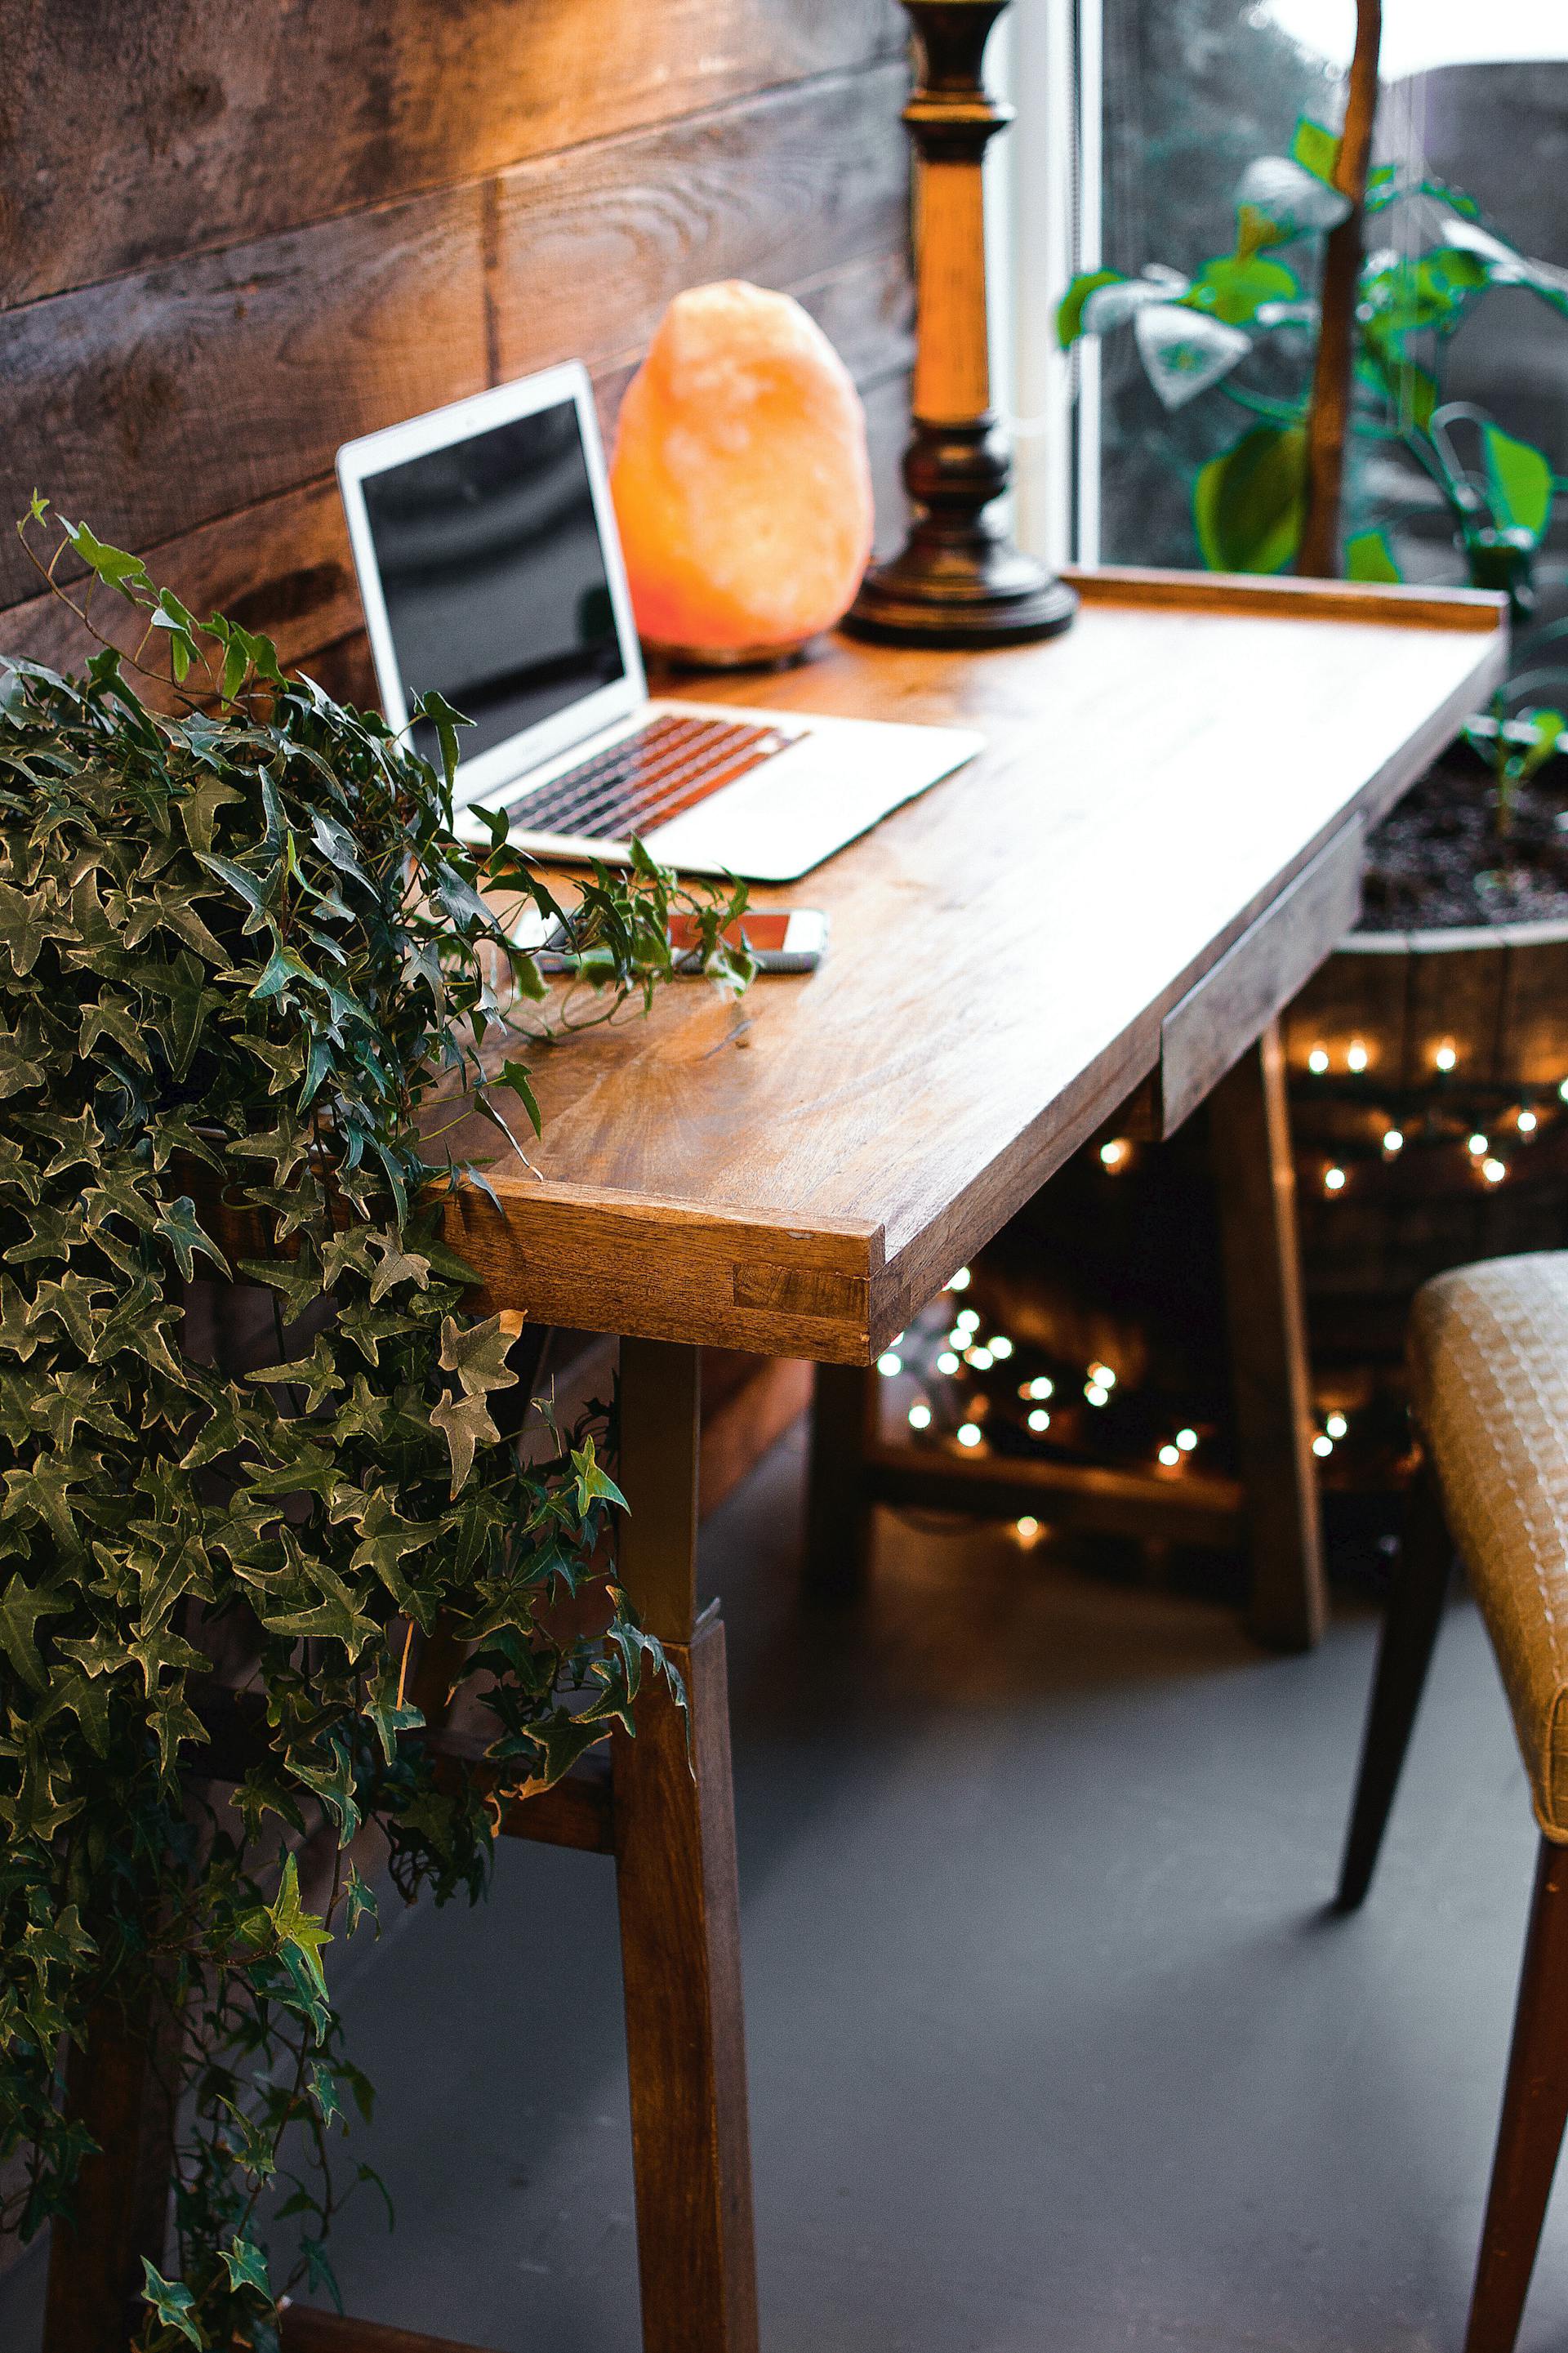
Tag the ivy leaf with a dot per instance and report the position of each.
(246, 2266)
(181, 1228)
(172, 2302)
(398, 1265)
(592, 1483)
(21, 1607)
(296, 1929)
(360, 1899)
(465, 1423)
(516, 1076)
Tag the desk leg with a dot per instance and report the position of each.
(1270, 1376)
(679, 1902)
(839, 1492)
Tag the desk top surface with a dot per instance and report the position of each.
(799, 1175)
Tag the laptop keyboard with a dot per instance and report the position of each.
(646, 778)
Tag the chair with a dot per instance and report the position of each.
(1488, 1360)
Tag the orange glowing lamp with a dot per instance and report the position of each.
(742, 481)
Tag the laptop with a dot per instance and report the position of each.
(490, 570)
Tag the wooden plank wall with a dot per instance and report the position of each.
(230, 240)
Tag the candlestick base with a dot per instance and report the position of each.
(959, 581)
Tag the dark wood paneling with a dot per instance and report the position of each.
(782, 191)
(153, 403)
(160, 401)
(131, 135)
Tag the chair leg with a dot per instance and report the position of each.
(1534, 2111)
(838, 1503)
(1409, 1632)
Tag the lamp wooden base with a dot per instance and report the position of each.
(1008, 603)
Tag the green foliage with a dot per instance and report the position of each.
(1247, 502)
(1409, 304)
(242, 957)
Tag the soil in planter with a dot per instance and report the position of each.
(1438, 861)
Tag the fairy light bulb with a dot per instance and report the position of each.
(1478, 1147)
(1317, 1060)
(961, 1280)
(1445, 1056)
(1039, 1421)
(1094, 1394)
(1333, 1180)
(1493, 1171)
(1169, 1456)
(1357, 1057)
(981, 1358)
(1527, 1123)
(1563, 1090)
(1335, 1424)
(888, 1364)
(1103, 1376)
(968, 1433)
(1392, 1141)
(1113, 1153)
(1038, 1387)
(1323, 1445)
(1001, 1348)
(966, 1320)
(1026, 1529)
(1186, 1440)
(920, 1417)
(947, 1362)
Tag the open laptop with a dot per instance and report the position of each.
(490, 570)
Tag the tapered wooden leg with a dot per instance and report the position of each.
(1409, 1631)
(1534, 2111)
(117, 2087)
(1270, 1376)
(837, 1560)
(679, 1900)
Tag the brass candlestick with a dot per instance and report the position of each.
(960, 581)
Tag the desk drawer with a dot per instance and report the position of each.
(1235, 1002)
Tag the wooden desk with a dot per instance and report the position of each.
(1160, 841)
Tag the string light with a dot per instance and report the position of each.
(1317, 1060)
(1356, 1059)
(1445, 1058)
(1039, 1421)
(1333, 1180)
(1478, 1147)
(1001, 1348)
(1527, 1123)
(888, 1364)
(966, 1320)
(1096, 1394)
(920, 1417)
(1493, 1171)
(1113, 1153)
(1026, 1529)
(961, 1280)
(1186, 1440)
(1335, 1424)
(981, 1358)
(1104, 1374)
(1321, 1445)
(1038, 1387)
(967, 1433)
(1169, 1456)
(1563, 1090)
(1392, 1142)
(947, 1362)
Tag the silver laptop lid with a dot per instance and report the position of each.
(490, 569)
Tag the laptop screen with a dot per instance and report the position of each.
(494, 576)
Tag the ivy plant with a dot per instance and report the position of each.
(244, 961)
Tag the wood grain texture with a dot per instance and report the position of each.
(1004, 953)
(306, 2330)
(133, 137)
(1392, 606)
(1214, 1023)
(1271, 1373)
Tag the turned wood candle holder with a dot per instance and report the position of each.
(959, 581)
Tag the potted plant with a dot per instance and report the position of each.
(242, 958)
(1428, 1054)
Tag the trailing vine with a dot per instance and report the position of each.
(241, 955)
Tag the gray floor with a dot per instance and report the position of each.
(1052, 2048)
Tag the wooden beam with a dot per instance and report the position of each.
(306, 2330)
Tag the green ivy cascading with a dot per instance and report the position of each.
(239, 951)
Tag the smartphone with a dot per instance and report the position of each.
(780, 939)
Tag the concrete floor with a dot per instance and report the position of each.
(1052, 2048)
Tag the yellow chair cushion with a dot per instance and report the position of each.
(1488, 1364)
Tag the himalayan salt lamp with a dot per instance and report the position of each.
(741, 482)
